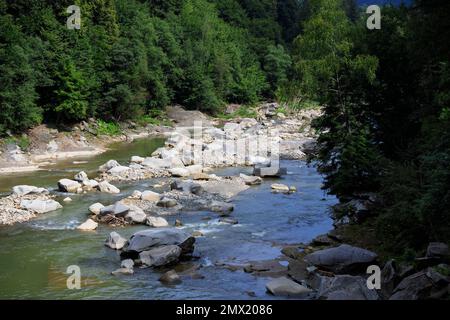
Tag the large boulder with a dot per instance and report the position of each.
(23, 190)
(160, 256)
(67, 185)
(422, 285)
(106, 187)
(286, 287)
(342, 259)
(115, 241)
(345, 287)
(148, 239)
(40, 206)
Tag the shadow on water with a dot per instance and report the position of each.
(34, 256)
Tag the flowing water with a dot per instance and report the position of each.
(34, 256)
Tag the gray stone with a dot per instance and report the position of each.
(96, 208)
(224, 208)
(88, 225)
(136, 215)
(228, 220)
(124, 271)
(115, 241)
(286, 287)
(108, 166)
(251, 180)
(278, 187)
(170, 277)
(23, 190)
(40, 206)
(118, 209)
(150, 196)
(167, 203)
(345, 287)
(127, 264)
(81, 176)
(437, 250)
(273, 171)
(118, 171)
(67, 185)
(148, 239)
(106, 187)
(156, 222)
(160, 256)
(342, 259)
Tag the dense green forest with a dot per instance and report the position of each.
(385, 93)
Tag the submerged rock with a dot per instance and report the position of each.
(170, 277)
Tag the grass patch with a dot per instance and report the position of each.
(108, 128)
(154, 117)
(23, 142)
(245, 111)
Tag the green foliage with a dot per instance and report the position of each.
(108, 128)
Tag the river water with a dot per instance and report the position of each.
(34, 256)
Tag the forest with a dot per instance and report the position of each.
(385, 93)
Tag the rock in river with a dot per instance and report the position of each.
(250, 180)
(88, 225)
(170, 277)
(286, 287)
(67, 185)
(24, 190)
(81, 176)
(115, 241)
(150, 196)
(278, 187)
(148, 239)
(160, 256)
(157, 222)
(342, 259)
(106, 187)
(96, 208)
(118, 209)
(40, 206)
(345, 287)
(167, 203)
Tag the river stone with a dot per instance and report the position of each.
(23, 190)
(155, 163)
(136, 215)
(224, 208)
(437, 250)
(127, 263)
(40, 206)
(90, 184)
(345, 287)
(273, 171)
(150, 196)
(160, 256)
(115, 241)
(228, 220)
(286, 287)
(179, 172)
(195, 169)
(148, 239)
(118, 171)
(280, 187)
(81, 176)
(67, 185)
(88, 225)
(187, 187)
(67, 199)
(251, 180)
(137, 159)
(106, 187)
(170, 277)
(96, 208)
(124, 271)
(157, 222)
(118, 209)
(136, 194)
(342, 259)
(167, 203)
(108, 166)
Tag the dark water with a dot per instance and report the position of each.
(34, 256)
